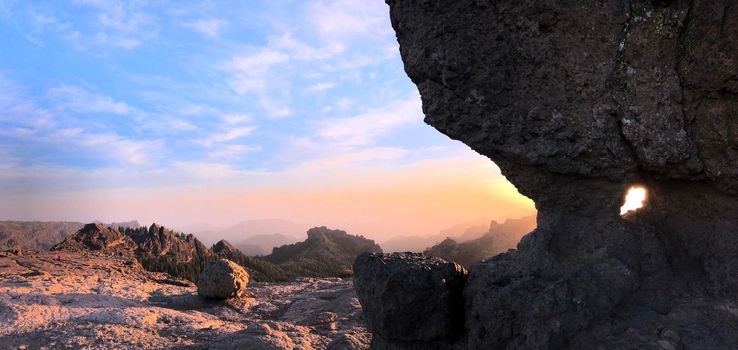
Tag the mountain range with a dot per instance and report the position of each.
(325, 252)
(42, 235)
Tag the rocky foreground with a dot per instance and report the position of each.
(52, 300)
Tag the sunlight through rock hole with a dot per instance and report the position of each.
(633, 199)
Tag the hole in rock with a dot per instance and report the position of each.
(633, 199)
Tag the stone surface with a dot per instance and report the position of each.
(410, 297)
(221, 279)
(72, 300)
(575, 101)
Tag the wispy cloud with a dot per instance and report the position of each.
(211, 27)
(77, 99)
(232, 151)
(340, 22)
(234, 119)
(320, 87)
(108, 24)
(364, 128)
(229, 134)
(252, 71)
(125, 150)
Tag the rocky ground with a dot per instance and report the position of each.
(52, 300)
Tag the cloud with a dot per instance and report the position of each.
(229, 134)
(349, 158)
(210, 27)
(274, 109)
(79, 100)
(341, 22)
(206, 170)
(366, 127)
(320, 87)
(252, 71)
(232, 151)
(121, 24)
(126, 150)
(233, 119)
(109, 24)
(286, 42)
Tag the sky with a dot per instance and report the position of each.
(204, 114)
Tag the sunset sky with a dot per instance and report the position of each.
(203, 114)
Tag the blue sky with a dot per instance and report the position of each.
(106, 97)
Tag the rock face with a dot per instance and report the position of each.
(576, 101)
(409, 297)
(221, 279)
(160, 241)
(96, 237)
(325, 253)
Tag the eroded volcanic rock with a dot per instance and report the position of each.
(221, 279)
(410, 297)
(576, 101)
(97, 237)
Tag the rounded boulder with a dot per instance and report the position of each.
(222, 279)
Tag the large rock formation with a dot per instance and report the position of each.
(575, 101)
(96, 237)
(160, 241)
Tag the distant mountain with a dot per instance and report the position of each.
(467, 230)
(465, 253)
(509, 233)
(324, 253)
(244, 230)
(41, 235)
(98, 238)
(499, 238)
(460, 232)
(262, 244)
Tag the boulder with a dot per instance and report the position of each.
(410, 296)
(221, 279)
